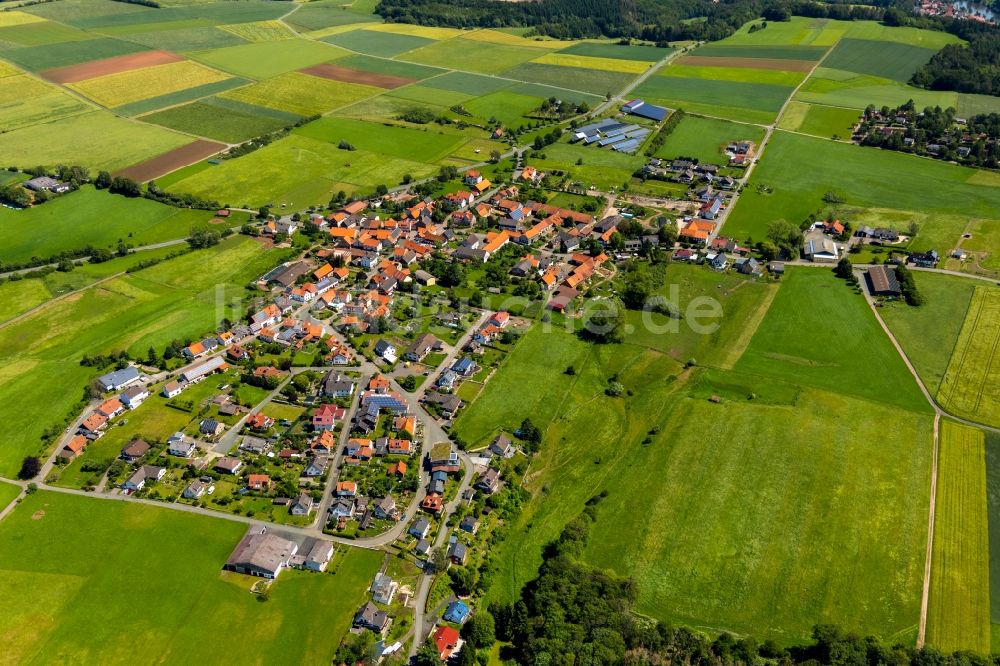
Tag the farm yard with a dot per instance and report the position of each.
(307, 613)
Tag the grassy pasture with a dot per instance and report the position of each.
(592, 62)
(788, 344)
(428, 32)
(98, 140)
(140, 84)
(91, 217)
(544, 92)
(210, 120)
(890, 60)
(187, 39)
(969, 386)
(506, 106)
(798, 30)
(211, 13)
(818, 120)
(387, 108)
(466, 54)
(266, 59)
(958, 616)
(423, 95)
(71, 11)
(298, 171)
(836, 87)
(706, 138)
(875, 31)
(24, 101)
(939, 319)
(49, 56)
(802, 169)
(611, 50)
(422, 145)
(183, 297)
(316, 16)
(596, 82)
(302, 94)
(305, 618)
(469, 84)
(384, 44)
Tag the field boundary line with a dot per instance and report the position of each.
(928, 558)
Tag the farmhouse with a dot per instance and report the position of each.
(261, 554)
(882, 281)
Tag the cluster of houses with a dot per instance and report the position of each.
(127, 380)
(943, 135)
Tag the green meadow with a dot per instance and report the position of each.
(266, 59)
(706, 138)
(72, 556)
(818, 120)
(90, 217)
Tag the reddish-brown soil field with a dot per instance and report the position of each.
(172, 160)
(116, 65)
(748, 63)
(347, 75)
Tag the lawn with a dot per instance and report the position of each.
(795, 343)
(958, 616)
(302, 94)
(140, 84)
(91, 217)
(183, 297)
(266, 59)
(718, 539)
(929, 333)
(298, 171)
(383, 44)
(98, 140)
(818, 120)
(303, 620)
(25, 101)
(706, 138)
(889, 60)
(969, 385)
(471, 55)
(801, 170)
(593, 81)
(232, 123)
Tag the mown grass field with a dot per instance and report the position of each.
(745, 74)
(302, 94)
(97, 139)
(91, 217)
(422, 145)
(266, 59)
(593, 81)
(120, 89)
(706, 138)
(187, 39)
(69, 616)
(791, 343)
(801, 170)
(602, 168)
(724, 528)
(817, 120)
(969, 385)
(747, 102)
(179, 97)
(929, 333)
(958, 616)
(39, 361)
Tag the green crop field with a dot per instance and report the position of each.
(204, 118)
(182, 297)
(187, 39)
(260, 31)
(875, 31)
(72, 11)
(958, 614)
(384, 44)
(706, 138)
(747, 566)
(298, 171)
(754, 102)
(610, 50)
(91, 217)
(180, 97)
(426, 96)
(592, 62)
(780, 52)
(391, 67)
(98, 140)
(801, 170)
(928, 333)
(41, 33)
(507, 107)
(969, 385)
(198, 13)
(593, 81)
(146, 83)
(304, 619)
(862, 362)
(48, 56)
(318, 15)
(421, 145)
(744, 74)
(469, 84)
(266, 59)
(302, 94)
(817, 120)
(888, 60)
(24, 101)
(471, 55)
(798, 30)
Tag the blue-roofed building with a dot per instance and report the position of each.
(464, 366)
(638, 107)
(457, 612)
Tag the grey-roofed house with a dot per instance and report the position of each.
(420, 528)
(502, 446)
(370, 617)
(385, 509)
(422, 346)
(336, 385)
(489, 482)
(142, 475)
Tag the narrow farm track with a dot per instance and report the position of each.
(928, 557)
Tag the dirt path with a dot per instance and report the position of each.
(925, 595)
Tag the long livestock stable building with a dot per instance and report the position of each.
(621, 137)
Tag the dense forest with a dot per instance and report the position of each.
(575, 614)
(970, 69)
